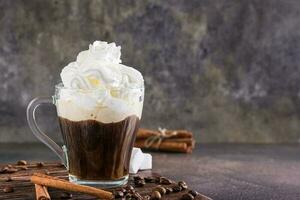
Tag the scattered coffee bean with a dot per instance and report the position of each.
(129, 188)
(193, 192)
(140, 183)
(160, 189)
(123, 190)
(157, 180)
(137, 178)
(8, 189)
(164, 181)
(150, 179)
(4, 169)
(176, 188)
(183, 185)
(9, 166)
(118, 194)
(169, 190)
(137, 196)
(65, 195)
(40, 164)
(22, 162)
(11, 170)
(187, 196)
(155, 195)
(128, 196)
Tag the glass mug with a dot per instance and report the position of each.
(95, 153)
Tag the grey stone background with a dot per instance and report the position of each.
(227, 70)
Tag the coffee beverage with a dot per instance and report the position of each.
(99, 106)
(99, 151)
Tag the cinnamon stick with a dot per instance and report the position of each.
(54, 182)
(146, 133)
(189, 141)
(166, 146)
(41, 192)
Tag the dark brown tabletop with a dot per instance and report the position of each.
(220, 171)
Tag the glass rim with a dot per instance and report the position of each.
(60, 86)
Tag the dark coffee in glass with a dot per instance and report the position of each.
(98, 140)
(99, 151)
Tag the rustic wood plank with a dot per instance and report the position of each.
(24, 189)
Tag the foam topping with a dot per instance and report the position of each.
(97, 84)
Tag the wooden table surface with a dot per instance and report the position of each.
(231, 171)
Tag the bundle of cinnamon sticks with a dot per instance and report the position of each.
(165, 140)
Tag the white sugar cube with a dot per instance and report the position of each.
(136, 160)
(147, 162)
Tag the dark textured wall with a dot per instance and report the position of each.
(228, 70)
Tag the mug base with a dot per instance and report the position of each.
(99, 183)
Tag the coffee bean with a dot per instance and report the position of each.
(3, 170)
(137, 178)
(123, 190)
(9, 166)
(137, 196)
(128, 196)
(40, 164)
(165, 181)
(176, 188)
(155, 195)
(147, 197)
(157, 180)
(160, 189)
(169, 190)
(149, 179)
(193, 192)
(118, 194)
(187, 196)
(129, 188)
(134, 195)
(8, 189)
(65, 195)
(183, 185)
(140, 183)
(181, 182)
(22, 162)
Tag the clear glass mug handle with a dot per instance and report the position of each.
(31, 119)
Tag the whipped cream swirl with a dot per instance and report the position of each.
(97, 84)
(99, 67)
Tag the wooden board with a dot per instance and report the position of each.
(24, 189)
